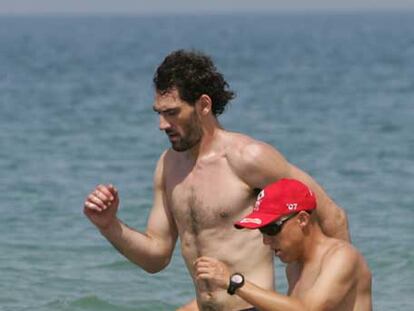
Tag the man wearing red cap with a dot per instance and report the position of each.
(323, 273)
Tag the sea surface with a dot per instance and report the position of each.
(332, 92)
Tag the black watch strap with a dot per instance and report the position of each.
(236, 281)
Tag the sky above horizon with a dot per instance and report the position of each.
(184, 6)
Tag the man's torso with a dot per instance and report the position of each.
(205, 199)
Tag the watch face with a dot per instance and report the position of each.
(237, 278)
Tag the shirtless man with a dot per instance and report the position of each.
(208, 179)
(323, 273)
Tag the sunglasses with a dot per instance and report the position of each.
(274, 228)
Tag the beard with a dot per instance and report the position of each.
(192, 134)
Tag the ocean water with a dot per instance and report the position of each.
(334, 93)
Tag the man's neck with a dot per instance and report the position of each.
(208, 142)
(312, 243)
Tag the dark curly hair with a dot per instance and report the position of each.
(193, 74)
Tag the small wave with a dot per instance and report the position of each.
(116, 265)
(94, 303)
(87, 303)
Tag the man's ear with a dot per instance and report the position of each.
(303, 219)
(204, 105)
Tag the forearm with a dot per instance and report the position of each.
(334, 221)
(332, 218)
(137, 247)
(267, 300)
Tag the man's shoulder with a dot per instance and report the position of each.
(250, 155)
(169, 155)
(255, 162)
(345, 262)
(166, 157)
(340, 250)
(241, 147)
(237, 138)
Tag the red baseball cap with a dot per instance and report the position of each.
(281, 198)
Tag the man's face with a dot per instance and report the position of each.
(179, 120)
(285, 243)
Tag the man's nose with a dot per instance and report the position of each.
(163, 123)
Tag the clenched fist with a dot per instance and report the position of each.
(101, 206)
(213, 270)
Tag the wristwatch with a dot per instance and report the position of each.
(236, 281)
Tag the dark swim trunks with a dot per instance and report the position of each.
(250, 309)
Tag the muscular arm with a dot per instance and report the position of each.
(335, 281)
(151, 250)
(267, 300)
(259, 164)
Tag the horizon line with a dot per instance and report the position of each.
(210, 12)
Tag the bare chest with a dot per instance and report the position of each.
(207, 196)
(302, 281)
